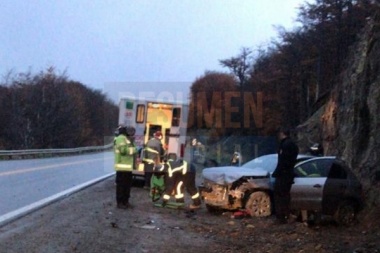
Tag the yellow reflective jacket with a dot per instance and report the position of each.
(124, 151)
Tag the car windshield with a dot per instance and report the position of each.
(266, 162)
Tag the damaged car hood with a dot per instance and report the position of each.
(229, 174)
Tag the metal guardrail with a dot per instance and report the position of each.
(19, 154)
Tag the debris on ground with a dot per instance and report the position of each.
(89, 221)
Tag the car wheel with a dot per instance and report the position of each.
(346, 213)
(259, 204)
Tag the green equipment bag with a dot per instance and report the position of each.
(157, 186)
(173, 205)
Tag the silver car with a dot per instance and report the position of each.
(322, 185)
(326, 185)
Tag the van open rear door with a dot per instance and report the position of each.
(175, 132)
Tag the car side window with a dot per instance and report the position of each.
(299, 171)
(315, 168)
(307, 170)
(337, 172)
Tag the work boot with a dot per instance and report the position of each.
(196, 204)
(192, 206)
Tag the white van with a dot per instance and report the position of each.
(150, 115)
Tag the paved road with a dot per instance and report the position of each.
(23, 182)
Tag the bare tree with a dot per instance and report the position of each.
(240, 65)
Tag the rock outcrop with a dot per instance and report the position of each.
(348, 125)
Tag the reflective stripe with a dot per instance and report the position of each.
(170, 170)
(195, 196)
(179, 194)
(183, 168)
(161, 168)
(121, 166)
(184, 171)
(166, 197)
(151, 150)
(148, 160)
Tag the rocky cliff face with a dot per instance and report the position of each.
(348, 125)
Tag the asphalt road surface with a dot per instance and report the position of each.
(23, 182)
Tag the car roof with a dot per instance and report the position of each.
(270, 161)
(322, 157)
(260, 167)
(299, 156)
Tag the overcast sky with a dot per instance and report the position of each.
(135, 46)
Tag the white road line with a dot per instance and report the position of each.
(20, 171)
(6, 218)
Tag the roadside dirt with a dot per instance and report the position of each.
(89, 221)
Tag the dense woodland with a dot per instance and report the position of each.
(294, 74)
(47, 110)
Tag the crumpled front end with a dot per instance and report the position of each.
(234, 195)
(219, 196)
(230, 187)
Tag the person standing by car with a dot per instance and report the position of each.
(124, 150)
(153, 154)
(284, 175)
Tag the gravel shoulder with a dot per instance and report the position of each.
(88, 221)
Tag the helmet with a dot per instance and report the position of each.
(131, 131)
(158, 135)
(122, 129)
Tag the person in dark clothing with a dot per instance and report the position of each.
(284, 174)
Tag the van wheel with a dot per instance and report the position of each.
(346, 213)
(259, 204)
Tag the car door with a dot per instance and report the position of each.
(310, 178)
(335, 188)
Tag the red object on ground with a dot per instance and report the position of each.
(240, 214)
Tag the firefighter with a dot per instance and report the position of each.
(191, 188)
(153, 154)
(116, 133)
(179, 175)
(124, 150)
